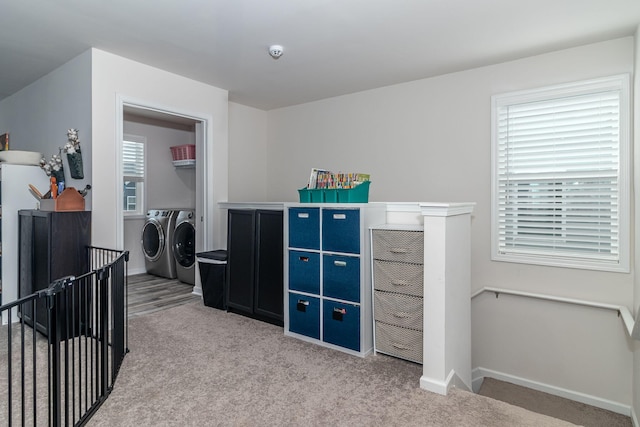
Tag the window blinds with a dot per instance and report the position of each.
(133, 161)
(558, 165)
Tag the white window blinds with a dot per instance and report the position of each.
(558, 176)
(133, 161)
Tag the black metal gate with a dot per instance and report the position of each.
(61, 348)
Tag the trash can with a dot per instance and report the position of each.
(213, 268)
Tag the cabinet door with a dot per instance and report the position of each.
(304, 228)
(341, 324)
(240, 261)
(269, 275)
(70, 235)
(341, 230)
(304, 272)
(341, 277)
(25, 271)
(25, 257)
(304, 315)
(41, 265)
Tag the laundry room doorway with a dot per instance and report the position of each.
(147, 134)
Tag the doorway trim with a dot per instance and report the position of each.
(204, 146)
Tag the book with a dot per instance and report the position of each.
(4, 141)
(324, 179)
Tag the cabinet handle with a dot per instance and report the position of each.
(400, 346)
(302, 305)
(339, 216)
(304, 258)
(399, 250)
(303, 215)
(340, 263)
(399, 282)
(401, 315)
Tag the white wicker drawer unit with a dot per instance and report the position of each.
(398, 276)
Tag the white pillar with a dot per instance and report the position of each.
(447, 296)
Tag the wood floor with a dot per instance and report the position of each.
(148, 294)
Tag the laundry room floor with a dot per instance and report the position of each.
(148, 294)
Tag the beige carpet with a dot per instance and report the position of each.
(197, 366)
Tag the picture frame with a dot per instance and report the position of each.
(4, 142)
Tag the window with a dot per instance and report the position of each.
(560, 190)
(133, 172)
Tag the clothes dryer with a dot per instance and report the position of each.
(184, 246)
(157, 241)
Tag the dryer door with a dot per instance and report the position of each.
(153, 240)
(184, 244)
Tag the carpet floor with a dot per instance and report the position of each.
(193, 365)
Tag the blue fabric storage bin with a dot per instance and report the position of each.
(341, 230)
(341, 277)
(304, 271)
(304, 228)
(304, 315)
(341, 324)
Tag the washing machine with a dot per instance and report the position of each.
(157, 241)
(184, 246)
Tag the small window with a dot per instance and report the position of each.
(133, 175)
(560, 191)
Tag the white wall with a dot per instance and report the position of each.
(247, 154)
(429, 140)
(114, 77)
(38, 116)
(636, 199)
(166, 186)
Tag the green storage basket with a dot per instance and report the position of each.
(311, 195)
(357, 194)
(331, 195)
(305, 195)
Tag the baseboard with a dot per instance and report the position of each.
(634, 418)
(197, 291)
(443, 387)
(434, 386)
(478, 374)
(133, 271)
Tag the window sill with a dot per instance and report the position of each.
(133, 216)
(556, 261)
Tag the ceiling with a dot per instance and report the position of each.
(331, 47)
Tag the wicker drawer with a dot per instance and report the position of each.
(399, 342)
(399, 309)
(398, 277)
(398, 245)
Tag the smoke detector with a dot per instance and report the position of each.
(275, 51)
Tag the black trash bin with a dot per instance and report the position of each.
(213, 268)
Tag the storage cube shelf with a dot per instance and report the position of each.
(328, 274)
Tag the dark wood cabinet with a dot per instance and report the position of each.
(254, 264)
(53, 245)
